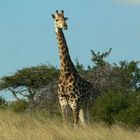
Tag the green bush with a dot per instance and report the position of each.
(115, 106)
(19, 106)
(108, 105)
(3, 103)
(131, 115)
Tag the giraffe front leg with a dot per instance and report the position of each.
(73, 103)
(63, 103)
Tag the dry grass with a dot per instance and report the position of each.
(25, 127)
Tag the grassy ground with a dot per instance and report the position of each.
(26, 127)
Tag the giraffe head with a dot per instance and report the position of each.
(60, 20)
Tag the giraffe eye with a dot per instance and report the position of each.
(56, 20)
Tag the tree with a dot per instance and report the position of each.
(2, 101)
(129, 74)
(101, 74)
(79, 67)
(28, 81)
(105, 76)
(98, 58)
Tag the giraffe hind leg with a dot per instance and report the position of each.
(82, 117)
(73, 103)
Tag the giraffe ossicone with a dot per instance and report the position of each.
(72, 89)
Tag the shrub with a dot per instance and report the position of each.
(19, 106)
(108, 105)
(3, 103)
(131, 115)
(119, 107)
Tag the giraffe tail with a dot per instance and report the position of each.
(82, 117)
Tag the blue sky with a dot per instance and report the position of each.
(27, 35)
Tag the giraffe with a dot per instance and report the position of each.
(73, 90)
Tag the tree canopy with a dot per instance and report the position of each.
(27, 81)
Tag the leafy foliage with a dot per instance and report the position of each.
(131, 115)
(108, 105)
(2, 100)
(80, 68)
(98, 58)
(129, 74)
(3, 103)
(124, 75)
(28, 81)
(19, 106)
(118, 107)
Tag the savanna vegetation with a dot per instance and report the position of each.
(25, 126)
(35, 112)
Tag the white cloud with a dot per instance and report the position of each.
(130, 2)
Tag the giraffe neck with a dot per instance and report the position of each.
(67, 66)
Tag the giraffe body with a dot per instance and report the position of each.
(72, 89)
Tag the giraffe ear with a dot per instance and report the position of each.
(53, 16)
(57, 12)
(66, 18)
